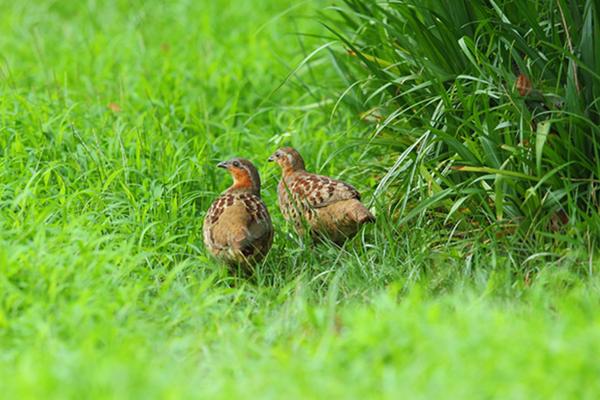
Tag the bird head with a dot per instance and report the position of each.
(244, 174)
(288, 159)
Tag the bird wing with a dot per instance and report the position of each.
(238, 227)
(213, 235)
(318, 191)
(258, 219)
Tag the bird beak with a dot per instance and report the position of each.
(272, 158)
(223, 164)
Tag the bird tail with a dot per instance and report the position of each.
(362, 215)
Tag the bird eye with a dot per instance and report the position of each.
(236, 164)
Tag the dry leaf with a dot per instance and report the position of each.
(558, 220)
(523, 85)
(114, 107)
(527, 279)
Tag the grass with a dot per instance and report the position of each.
(112, 118)
(492, 104)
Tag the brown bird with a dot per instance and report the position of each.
(237, 226)
(327, 207)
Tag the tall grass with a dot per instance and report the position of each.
(113, 115)
(492, 109)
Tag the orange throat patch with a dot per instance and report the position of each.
(241, 179)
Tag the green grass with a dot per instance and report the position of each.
(106, 290)
(444, 86)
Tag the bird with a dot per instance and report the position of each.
(326, 207)
(237, 227)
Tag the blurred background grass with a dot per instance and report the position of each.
(112, 117)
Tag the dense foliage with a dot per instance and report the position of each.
(492, 106)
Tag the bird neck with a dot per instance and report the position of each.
(243, 182)
(289, 171)
(243, 188)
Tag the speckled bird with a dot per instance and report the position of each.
(327, 207)
(237, 226)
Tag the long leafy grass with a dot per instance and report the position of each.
(491, 106)
(112, 118)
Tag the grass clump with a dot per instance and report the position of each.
(491, 108)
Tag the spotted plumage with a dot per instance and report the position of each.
(325, 206)
(237, 227)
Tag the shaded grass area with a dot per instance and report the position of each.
(491, 108)
(112, 117)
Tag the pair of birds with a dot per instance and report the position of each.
(238, 229)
